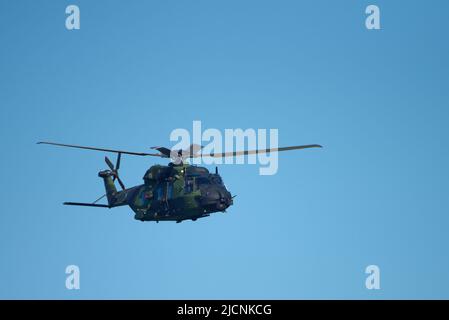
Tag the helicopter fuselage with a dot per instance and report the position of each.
(172, 193)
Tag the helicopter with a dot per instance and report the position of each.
(175, 192)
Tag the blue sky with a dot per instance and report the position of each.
(376, 100)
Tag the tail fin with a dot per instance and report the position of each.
(109, 186)
(115, 198)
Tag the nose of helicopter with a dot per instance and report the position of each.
(217, 198)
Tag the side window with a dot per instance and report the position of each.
(159, 192)
(169, 190)
(188, 187)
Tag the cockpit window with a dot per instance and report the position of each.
(210, 179)
(202, 180)
(216, 179)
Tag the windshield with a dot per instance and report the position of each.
(216, 179)
(202, 180)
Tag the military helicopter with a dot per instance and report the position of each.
(176, 192)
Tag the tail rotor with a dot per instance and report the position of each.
(114, 170)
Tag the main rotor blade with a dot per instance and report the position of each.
(164, 151)
(193, 149)
(109, 163)
(247, 152)
(102, 149)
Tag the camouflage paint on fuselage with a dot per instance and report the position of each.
(171, 193)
